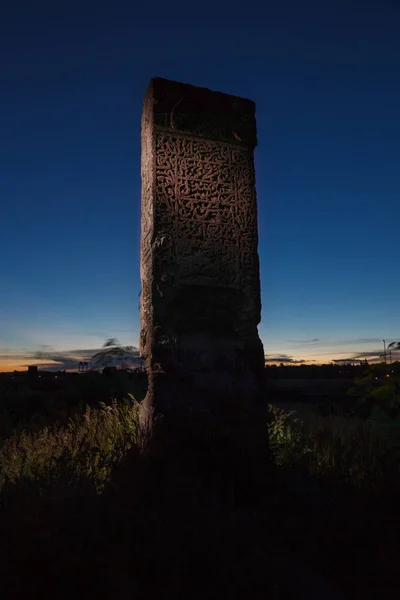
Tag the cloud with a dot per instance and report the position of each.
(372, 354)
(344, 360)
(71, 359)
(326, 344)
(14, 356)
(313, 341)
(61, 363)
(283, 358)
(51, 360)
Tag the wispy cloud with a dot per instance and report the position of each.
(285, 359)
(48, 359)
(350, 359)
(313, 341)
(316, 342)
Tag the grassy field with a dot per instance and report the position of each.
(346, 451)
(75, 494)
(87, 448)
(45, 434)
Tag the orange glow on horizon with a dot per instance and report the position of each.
(11, 364)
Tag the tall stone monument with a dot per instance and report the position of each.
(200, 300)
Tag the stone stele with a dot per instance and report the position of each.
(200, 299)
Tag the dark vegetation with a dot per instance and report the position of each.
(83, 514)
(31, 404)
(329, 371)
(348, 437)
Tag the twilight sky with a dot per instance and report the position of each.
(325, 79)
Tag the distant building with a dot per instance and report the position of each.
(32, 371)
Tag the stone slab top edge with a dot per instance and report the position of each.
(201, 112)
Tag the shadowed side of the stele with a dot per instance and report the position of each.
(200, 300)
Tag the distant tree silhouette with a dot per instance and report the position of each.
(394, 346)
(111, 342)
(113, 352)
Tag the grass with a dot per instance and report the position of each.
(87, 448)
(336, 448)
(33, 405)
(340, 449)
(120, 530)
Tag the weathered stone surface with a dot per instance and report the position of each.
(200, 301)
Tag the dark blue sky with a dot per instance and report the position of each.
(326, 80)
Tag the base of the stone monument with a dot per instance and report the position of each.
(223, 436)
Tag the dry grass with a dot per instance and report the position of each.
(89, 446)
(342, 449)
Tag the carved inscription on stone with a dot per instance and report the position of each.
(200, 301)
(206, 211)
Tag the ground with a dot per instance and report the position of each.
(178, 530)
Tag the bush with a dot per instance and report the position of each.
(378, 388)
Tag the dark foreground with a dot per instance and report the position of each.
(186, 532)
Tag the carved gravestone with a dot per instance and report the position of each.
(200, 300)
